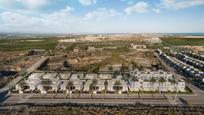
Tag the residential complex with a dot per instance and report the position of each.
(185, 66)
(155, 81)
(97, 83)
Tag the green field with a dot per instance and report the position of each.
(26, 44)
(175, 41)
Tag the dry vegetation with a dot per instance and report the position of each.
(193, 48)
(103, 59)
(103, 52)
(16, 61)
(76, 109)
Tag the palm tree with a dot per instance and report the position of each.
(106, 85)
(94, 81)
(152, 81)
(135, 79)
(66, 64)
(162, 80)
(115, 74)
(70, 84)
(93, 84)
(78, 76)
(46, 84)
(117, 85)
(173, 81)
(70, 87)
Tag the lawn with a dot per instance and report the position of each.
(26, 44)
(175, 41)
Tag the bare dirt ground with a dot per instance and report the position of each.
(193, 36)
(16, 60)
(10, 55)
(104, 59)
(193, 48)
(114, 37)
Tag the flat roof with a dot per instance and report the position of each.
(91, 76)
(105, 76)
(77, 76)
(64, 76)
(49, 76)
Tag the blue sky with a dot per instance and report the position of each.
(102, 16)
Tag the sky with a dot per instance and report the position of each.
(102, 16)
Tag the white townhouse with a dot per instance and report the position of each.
(95, 86)
(64, 76)
(70, 86)
(105, 76)
(117, 85)
(76, 76)
(30, 84)
(181, 85)
(50, 82)
(91, 76)
(154, 81)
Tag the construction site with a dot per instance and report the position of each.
(100, 69)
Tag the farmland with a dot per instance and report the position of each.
(176, 41)
(26, 44)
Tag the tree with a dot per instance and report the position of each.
(46, 82)
(70, 85)
(95, 68)
(66, 64)
(124, 67)
(116, 73)
(117, 83)
(162, 80)
(174, 82)
(110, 68)
(78, 76)
(152, 81)
(94, 81)
(135, 79)
(93, 84)
(106, 85)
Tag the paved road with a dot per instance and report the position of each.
(37, 64)
(25, 99)
(96, 98)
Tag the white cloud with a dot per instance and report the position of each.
(5, 2)
(29, 4)
(63, 21)
(87, 2)
(100, 14)
(16, 21)
(179, 4)
(140, 7)
(33, 4)
(59, 21)
(156, 10)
